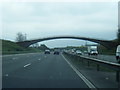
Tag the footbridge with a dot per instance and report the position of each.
(106, 43)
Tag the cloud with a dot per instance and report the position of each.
(25, 11)
(14, 8)
(48, 19)
(37, 29)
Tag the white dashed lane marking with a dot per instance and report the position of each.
(27, 65)
(39, 59)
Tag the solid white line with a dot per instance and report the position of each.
(17, 54)
(90, 85)
(27, 65)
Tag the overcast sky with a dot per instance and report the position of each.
(37, 20)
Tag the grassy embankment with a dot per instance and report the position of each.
(111, 51)
(9, 47)
(103, 50)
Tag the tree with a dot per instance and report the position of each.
(21, 37)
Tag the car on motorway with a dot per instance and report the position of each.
(47, 52)
(118, 54)
(56, 52)
(78, 52)
(85, 52)
(94, 52)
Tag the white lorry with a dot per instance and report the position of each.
(118, 53)
(92, 50)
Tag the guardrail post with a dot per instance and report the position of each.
(77, 58)
(98, 67)
(82, 60)
(88, 63)
(118, 78)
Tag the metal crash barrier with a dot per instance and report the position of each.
(106, 64)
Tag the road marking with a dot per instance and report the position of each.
(39, 59)
(6, 75)
(15, 58)
(27, 65)
(106, 78)
(90, 85)
(18, 54)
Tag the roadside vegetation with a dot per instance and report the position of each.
(103, 50)
(9, 47)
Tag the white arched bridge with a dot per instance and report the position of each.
(106, 43)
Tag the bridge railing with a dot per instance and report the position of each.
(106, 64)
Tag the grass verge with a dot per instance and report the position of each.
(9, 47)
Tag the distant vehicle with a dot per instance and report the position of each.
(92, 50)
(118, 54)
(78, 52)
(85, 52)
(56, 53)
(47, 52)
(72, 51)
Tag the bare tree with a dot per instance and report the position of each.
(21, 37)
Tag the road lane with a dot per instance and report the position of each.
(41, 71)
(10, 65)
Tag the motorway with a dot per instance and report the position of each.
(39, 70)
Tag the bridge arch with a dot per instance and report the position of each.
(106, 43)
